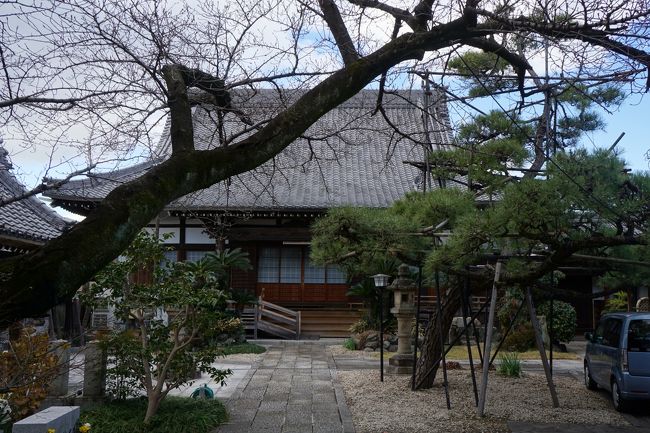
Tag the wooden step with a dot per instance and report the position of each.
(328, 323)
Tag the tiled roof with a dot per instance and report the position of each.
(28, 219)
(348, 157)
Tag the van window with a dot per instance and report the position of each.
(598, 333)
(638, 336)
(612, 332)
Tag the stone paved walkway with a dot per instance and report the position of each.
(293, 389)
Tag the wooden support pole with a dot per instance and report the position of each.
(488, 341)
(464, 299)
(540, 347)
(442, 340)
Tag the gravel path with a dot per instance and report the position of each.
(391, 407)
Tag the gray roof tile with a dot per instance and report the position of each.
(348, 157)
(29, 218)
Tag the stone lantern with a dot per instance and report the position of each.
(404, 290)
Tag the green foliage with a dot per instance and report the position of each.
(371, 296)
(484, 72)
(176, 415)
(507, 309)
(486, 149)
(626, 276)
(510, 364)
(521, 338)
(223, 261)
(367, 237)
(122, 381)
(616, 302)
(565, 319)
(360, 326)
(163, 349)
(436, 205)
(349, 344)
(230, 326)
(580, 116)
(243, 297)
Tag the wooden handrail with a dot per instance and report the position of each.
(277, 316)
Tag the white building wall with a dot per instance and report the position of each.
(197, 235)
(175, 231)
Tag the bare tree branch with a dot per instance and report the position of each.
(46, 185)
(333, 18)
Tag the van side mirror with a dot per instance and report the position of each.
(589, 336)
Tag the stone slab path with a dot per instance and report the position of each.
(239, 372)
(293, 389)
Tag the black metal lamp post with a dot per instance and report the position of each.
(381, 281)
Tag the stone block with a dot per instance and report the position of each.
(400, 364)
(59, 386)
(94, 370)
(62, 419)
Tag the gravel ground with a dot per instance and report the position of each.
(249, 358)
(391, 407)
(340, 351)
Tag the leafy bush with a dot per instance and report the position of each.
(232, 327)
(349, 344)
(120, 380)
(565, 319)
(510, 365)
(243, 297)
(616, 302)
(176, 415)
(521, 338)
(26, 370)
(360, 326)
(368, 293)
(508, 305)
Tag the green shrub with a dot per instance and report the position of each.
(349, 344)
(510, 365)
(616, 302)
(228, 325)
(520, 339)
(508, 305)
(360, 326)
(565, 319)
(176, 415)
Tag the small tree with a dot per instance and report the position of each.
(26, 370)
(170, 309)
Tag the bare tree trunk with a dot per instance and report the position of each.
(154, 400)
(431, 350)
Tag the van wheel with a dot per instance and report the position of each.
(620, 404)
(589, 382)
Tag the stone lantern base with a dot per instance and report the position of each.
(400, 364)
